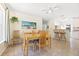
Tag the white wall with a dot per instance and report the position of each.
(75, 21)
(75, 34)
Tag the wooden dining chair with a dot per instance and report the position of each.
(15, 37)
(27, 43)
(63, 35)
(42, 40)
(36, 40)
(48, 39)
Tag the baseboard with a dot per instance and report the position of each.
(3, 47)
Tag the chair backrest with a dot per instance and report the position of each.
(16, 34)
(62, 31)
(42, 37)
(27, 35)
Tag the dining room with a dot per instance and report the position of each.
(42, 29)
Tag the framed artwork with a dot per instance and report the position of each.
(28, 25)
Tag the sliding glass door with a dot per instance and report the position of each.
(2, 25)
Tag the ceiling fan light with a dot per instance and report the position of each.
(50, 11)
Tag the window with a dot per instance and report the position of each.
(2, 24)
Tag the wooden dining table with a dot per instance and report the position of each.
(27, 38)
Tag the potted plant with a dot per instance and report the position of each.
(14, 19)
(14, 22)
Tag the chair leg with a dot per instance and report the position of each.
(39, 45)
(49, 42)
(25, 48)
(25, 52)
(65, 37)
(33, 47)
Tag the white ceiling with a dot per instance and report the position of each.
(66, 9)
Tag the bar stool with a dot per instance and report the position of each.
(63, 35)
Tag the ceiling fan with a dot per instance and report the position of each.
(50, 9)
